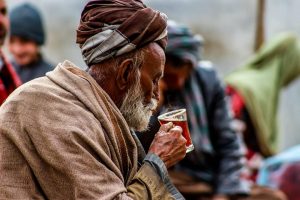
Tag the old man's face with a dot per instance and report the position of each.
(141, 99)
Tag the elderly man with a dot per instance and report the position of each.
(69, 135)
(9, 80)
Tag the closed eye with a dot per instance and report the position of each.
(157, 78)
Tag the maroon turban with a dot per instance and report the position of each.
(113, 27)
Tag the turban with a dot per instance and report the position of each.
(182, 43)
(114, 27)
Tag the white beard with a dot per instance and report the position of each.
(136, 114)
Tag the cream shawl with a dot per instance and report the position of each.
(62, 137)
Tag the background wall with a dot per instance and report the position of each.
(227, 26)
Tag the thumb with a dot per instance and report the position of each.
(166, 127)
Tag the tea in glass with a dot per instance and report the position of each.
(178, 118)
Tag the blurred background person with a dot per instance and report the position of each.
(27, 35)
(213, 168)
(8, 77)
(255, 92)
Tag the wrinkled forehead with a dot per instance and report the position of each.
(154, 60)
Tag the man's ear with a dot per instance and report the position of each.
(125, 74)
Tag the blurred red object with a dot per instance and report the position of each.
(289, 181)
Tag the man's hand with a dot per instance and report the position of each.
(169, 144)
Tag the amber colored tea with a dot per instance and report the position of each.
(183, 125)
(178, 118)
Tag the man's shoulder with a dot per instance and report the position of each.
(206, 65)
(39, 88)
(44, 66)
(47, 64)
(206, 72)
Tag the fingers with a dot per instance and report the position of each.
(169, 144)
(166, 127)
(176, 130)
(174, 158)
(178, 149)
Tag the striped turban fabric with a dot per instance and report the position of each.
(111, 28)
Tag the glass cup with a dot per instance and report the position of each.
(178, 118)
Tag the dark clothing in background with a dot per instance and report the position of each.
(9, 80)
(221, 166)
(33, 70)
